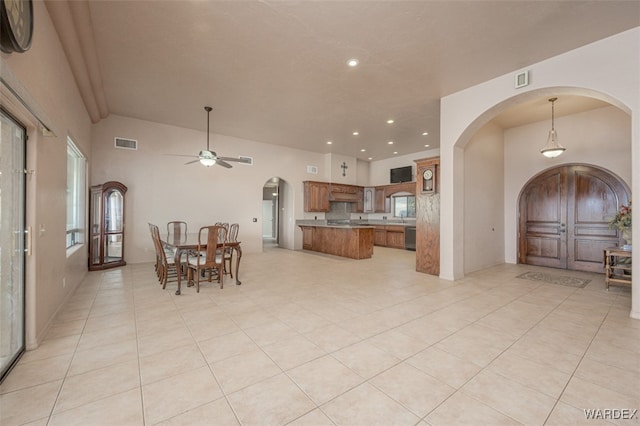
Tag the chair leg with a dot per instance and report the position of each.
(198, 282)
(164, 272)
(221, 276)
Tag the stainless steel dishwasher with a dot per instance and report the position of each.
(410, 238)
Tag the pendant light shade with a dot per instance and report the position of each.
(552, 148)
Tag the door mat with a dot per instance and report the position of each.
(555, 279)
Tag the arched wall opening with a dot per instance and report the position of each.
(277, 214)
(608, 70)
(498, 162)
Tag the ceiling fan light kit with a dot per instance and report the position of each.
(552, 149)
(208, 158)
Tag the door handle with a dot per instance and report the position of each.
(561, 228)
(28, 240)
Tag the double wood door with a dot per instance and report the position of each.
(564, 217)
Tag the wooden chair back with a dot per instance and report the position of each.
(176, 230)
(233, 233)
(211, 236)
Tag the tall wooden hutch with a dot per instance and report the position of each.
(106, 227)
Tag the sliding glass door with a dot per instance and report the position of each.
(12, 241)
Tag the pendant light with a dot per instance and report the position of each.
(552, 148)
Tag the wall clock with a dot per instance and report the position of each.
(429, 179)
(16, 25)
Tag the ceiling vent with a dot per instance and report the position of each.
(245, 160)
(124, 143)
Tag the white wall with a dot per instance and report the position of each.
(44, 80)
(608, 69)
(162, 188)
(379, 170)
(484, 199)
(600, 137)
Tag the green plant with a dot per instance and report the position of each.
(622, 219)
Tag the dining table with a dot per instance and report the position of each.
(182, 244)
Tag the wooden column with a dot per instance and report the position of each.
(428, 216)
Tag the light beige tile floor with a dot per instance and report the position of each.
(310, 339)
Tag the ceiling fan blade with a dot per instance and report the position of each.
(223, 163)
(191, 162)
(238, 160)
(181, 155)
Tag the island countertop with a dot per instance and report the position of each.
(353, 241)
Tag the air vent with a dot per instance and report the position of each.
(312, 169)
(246, 160)
(522, 79)
(126, 143)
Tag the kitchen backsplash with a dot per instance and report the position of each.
(338, 211)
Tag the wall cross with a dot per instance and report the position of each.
(344, 168)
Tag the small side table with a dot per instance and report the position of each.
(617, 267)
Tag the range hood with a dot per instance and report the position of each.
(343, 197)
(344, 193)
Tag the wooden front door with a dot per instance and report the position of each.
(564, 217)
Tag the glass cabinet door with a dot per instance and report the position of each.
(95, 229)
(107, 226)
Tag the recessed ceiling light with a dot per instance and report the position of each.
(389, 121)
(370, 158)
(425, 133)
(329, 142)
(356, 133)
(426, 146)
(353, 62)
(395, 152)
(362, 150)
(390, 142)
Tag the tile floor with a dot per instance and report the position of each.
(310, 339)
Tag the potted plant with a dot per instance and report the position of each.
(622, 222)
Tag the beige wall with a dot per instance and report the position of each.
(600, 137)
(162, 188)
(43, 78)
(484, 199)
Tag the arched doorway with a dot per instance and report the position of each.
(272, 194)
(564, 217)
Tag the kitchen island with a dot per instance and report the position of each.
(353, 241)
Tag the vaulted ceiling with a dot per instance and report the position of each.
(276, 71)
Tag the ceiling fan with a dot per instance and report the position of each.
(208, 158)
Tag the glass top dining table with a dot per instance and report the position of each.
(189, 241)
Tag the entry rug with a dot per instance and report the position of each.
(555, 279)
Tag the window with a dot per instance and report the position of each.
(404, 206)
(76, 189)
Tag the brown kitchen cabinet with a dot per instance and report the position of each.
(381, 202)
(316, 196)
(389, 236)
(395, 236)
(380, 236)
(307, 237)
(359, 205)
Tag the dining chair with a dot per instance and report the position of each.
(155, 249)
(211, 248)
(176, 230)
(167, 264)
(232, 237)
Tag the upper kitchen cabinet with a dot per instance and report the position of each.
(316, 196)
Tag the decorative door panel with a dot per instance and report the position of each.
(543, 223)
(564, 217)
(594, 198)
